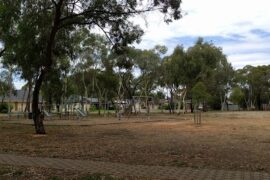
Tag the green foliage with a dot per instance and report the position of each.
(4, 107)
(6, 84)
(38, 36)
(93, 108)
(254, 83)
(199, 93)
(203, 62)
(237, 95)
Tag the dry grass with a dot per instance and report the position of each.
(35, 173)
(235, 141)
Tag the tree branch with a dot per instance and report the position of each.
(106, 34)
(53, 1)
(2, 52)
(97, 12)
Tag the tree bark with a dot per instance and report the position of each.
(28, 99)
(191, 106)
(171, 102)
(24, 92)
(38, 119)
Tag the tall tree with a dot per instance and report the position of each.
(205, 62)
(42, 27)
(254, 83)
(174, 76)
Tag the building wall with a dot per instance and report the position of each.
(18, 106)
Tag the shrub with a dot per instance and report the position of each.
(93, 108)
(4, 108)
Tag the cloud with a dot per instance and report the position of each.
(240, 27)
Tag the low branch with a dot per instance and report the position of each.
(106, 34)
(2, 52)
(102, 12)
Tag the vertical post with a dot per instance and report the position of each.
(10, 90)
(197, 117)
(194, 117)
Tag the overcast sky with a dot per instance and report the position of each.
(240, 27)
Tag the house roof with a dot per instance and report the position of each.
(18, 96)
(79, 99)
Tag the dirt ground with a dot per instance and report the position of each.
(225, 140)
(35, 173)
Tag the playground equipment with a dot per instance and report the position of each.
(81, 113)
(121, 107)
(142, 104)
(47, 114)
(197, 117)
(75, 106)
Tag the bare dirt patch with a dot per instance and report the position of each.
(235, 141)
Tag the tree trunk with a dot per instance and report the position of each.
(23, 99)
(37, 116)
(259, 102)
(227, 104)
(221, 102)
(171, 102)
(184, 101)
(191, 106)
(27, 107)
(50, 101)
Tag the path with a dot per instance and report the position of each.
(119, 169)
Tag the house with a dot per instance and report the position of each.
(18, 100)
(230, 106)
(80, 102)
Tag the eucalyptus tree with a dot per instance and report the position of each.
(237, 95)
(148, 63)
(53, 90)
(222, 82)
(5, 84)
(199, 94)
(254, 83)
(206, 63)
(93, 50)
(203, 62)
(41, 29)
(174, 76)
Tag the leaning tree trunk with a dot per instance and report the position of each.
(37, 117)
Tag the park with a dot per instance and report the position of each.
(237, 141)
(134, 89)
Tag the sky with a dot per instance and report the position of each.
(240, 27)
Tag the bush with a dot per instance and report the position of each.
(167, 106)
(93, 108)
(4, 108)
